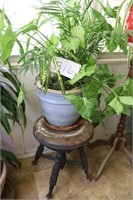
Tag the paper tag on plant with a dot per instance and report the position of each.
(67, 68)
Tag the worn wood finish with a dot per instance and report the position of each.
(62, 140)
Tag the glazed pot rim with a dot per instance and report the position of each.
(72, 91)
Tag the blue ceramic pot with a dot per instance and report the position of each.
(57, 109)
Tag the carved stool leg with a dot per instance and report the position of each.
(38, 154)
(60, 161)
(84, 162)
(125, 151)
(104, 162)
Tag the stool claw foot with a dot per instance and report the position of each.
(49, 196)
(34, 162)
(90, 177)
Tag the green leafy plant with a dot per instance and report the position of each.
(10, 91)
(11, 110)
(12, 107)
(80, 34)
(7, 157)
(10, 87)
(11, 159)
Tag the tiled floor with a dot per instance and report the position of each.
(115, 183)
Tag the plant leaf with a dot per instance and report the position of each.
(113, 41)
(78, 31)
(84, 106)
(9, 93)
(128, 100)
(116, 105)
(4, 121)
(71, 43)
(8, 41)
(2, 17)
(20, 96)
(11, 159)
(54, 40)
(93, 88)
(28, 27)
(127, 88)
(86, 70)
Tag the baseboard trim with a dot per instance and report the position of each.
(32, 154)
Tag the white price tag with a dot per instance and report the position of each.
(67, 68)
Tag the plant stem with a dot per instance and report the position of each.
(69, 53)
(42, 72)
(59, 75)
(48, 75)
(87, 6)
(110, 89)
(35, 39)
(45, 37)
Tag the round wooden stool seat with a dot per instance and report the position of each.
(62, 140)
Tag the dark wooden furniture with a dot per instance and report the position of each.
(62, 140)
(117, 140)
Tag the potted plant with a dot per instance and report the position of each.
(12, 109)
(9, 111)
(8, 157)
(67, 59)
(11, 89)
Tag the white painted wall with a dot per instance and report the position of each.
(25, 144)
